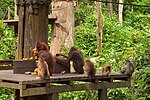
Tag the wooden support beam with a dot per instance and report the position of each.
(102, 94)
(78, 87)
(10, 85)
(17, 95)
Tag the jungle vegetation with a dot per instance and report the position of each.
(129, 41)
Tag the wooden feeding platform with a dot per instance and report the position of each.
(30, 86)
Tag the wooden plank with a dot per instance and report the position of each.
(6, 61)
(5, 75)
(30, 86)
(10, 85)
(6, 64)
(6, 67)
(29, 79)
(51, 18)
(11, 22)
(66, 88)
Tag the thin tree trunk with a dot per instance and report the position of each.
(8, 12)
(120, 12)
(100, 26)
(110, 7)
(16, 13)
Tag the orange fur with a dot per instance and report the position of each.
(43, 70)
(89, 68)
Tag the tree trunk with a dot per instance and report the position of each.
(32, 26)
(100, 26)
(63, 29)
(110, 7)
(120, 12)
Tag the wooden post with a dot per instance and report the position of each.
(102, 94)
(100, 26)
(32, 25)
(63, 29)
(16, 94)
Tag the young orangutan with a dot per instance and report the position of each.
(34, 54)
(49, 59)
(41, 46)
(89, 68)
(76, 56)
(41, 51)
(107, 70)
(43, 69)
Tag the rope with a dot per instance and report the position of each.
(122, 3)
(63, 7)
(104, 2)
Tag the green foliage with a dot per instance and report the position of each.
(6, 94)
(85, 12)
(79, 95)
(85, 32)
(142, 84)
(8, 43)
(7, 49)
(4, 7)
(120, 93)
(130, 41)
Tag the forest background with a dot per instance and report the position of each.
(129, 41)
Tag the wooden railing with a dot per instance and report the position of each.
(6, 64)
